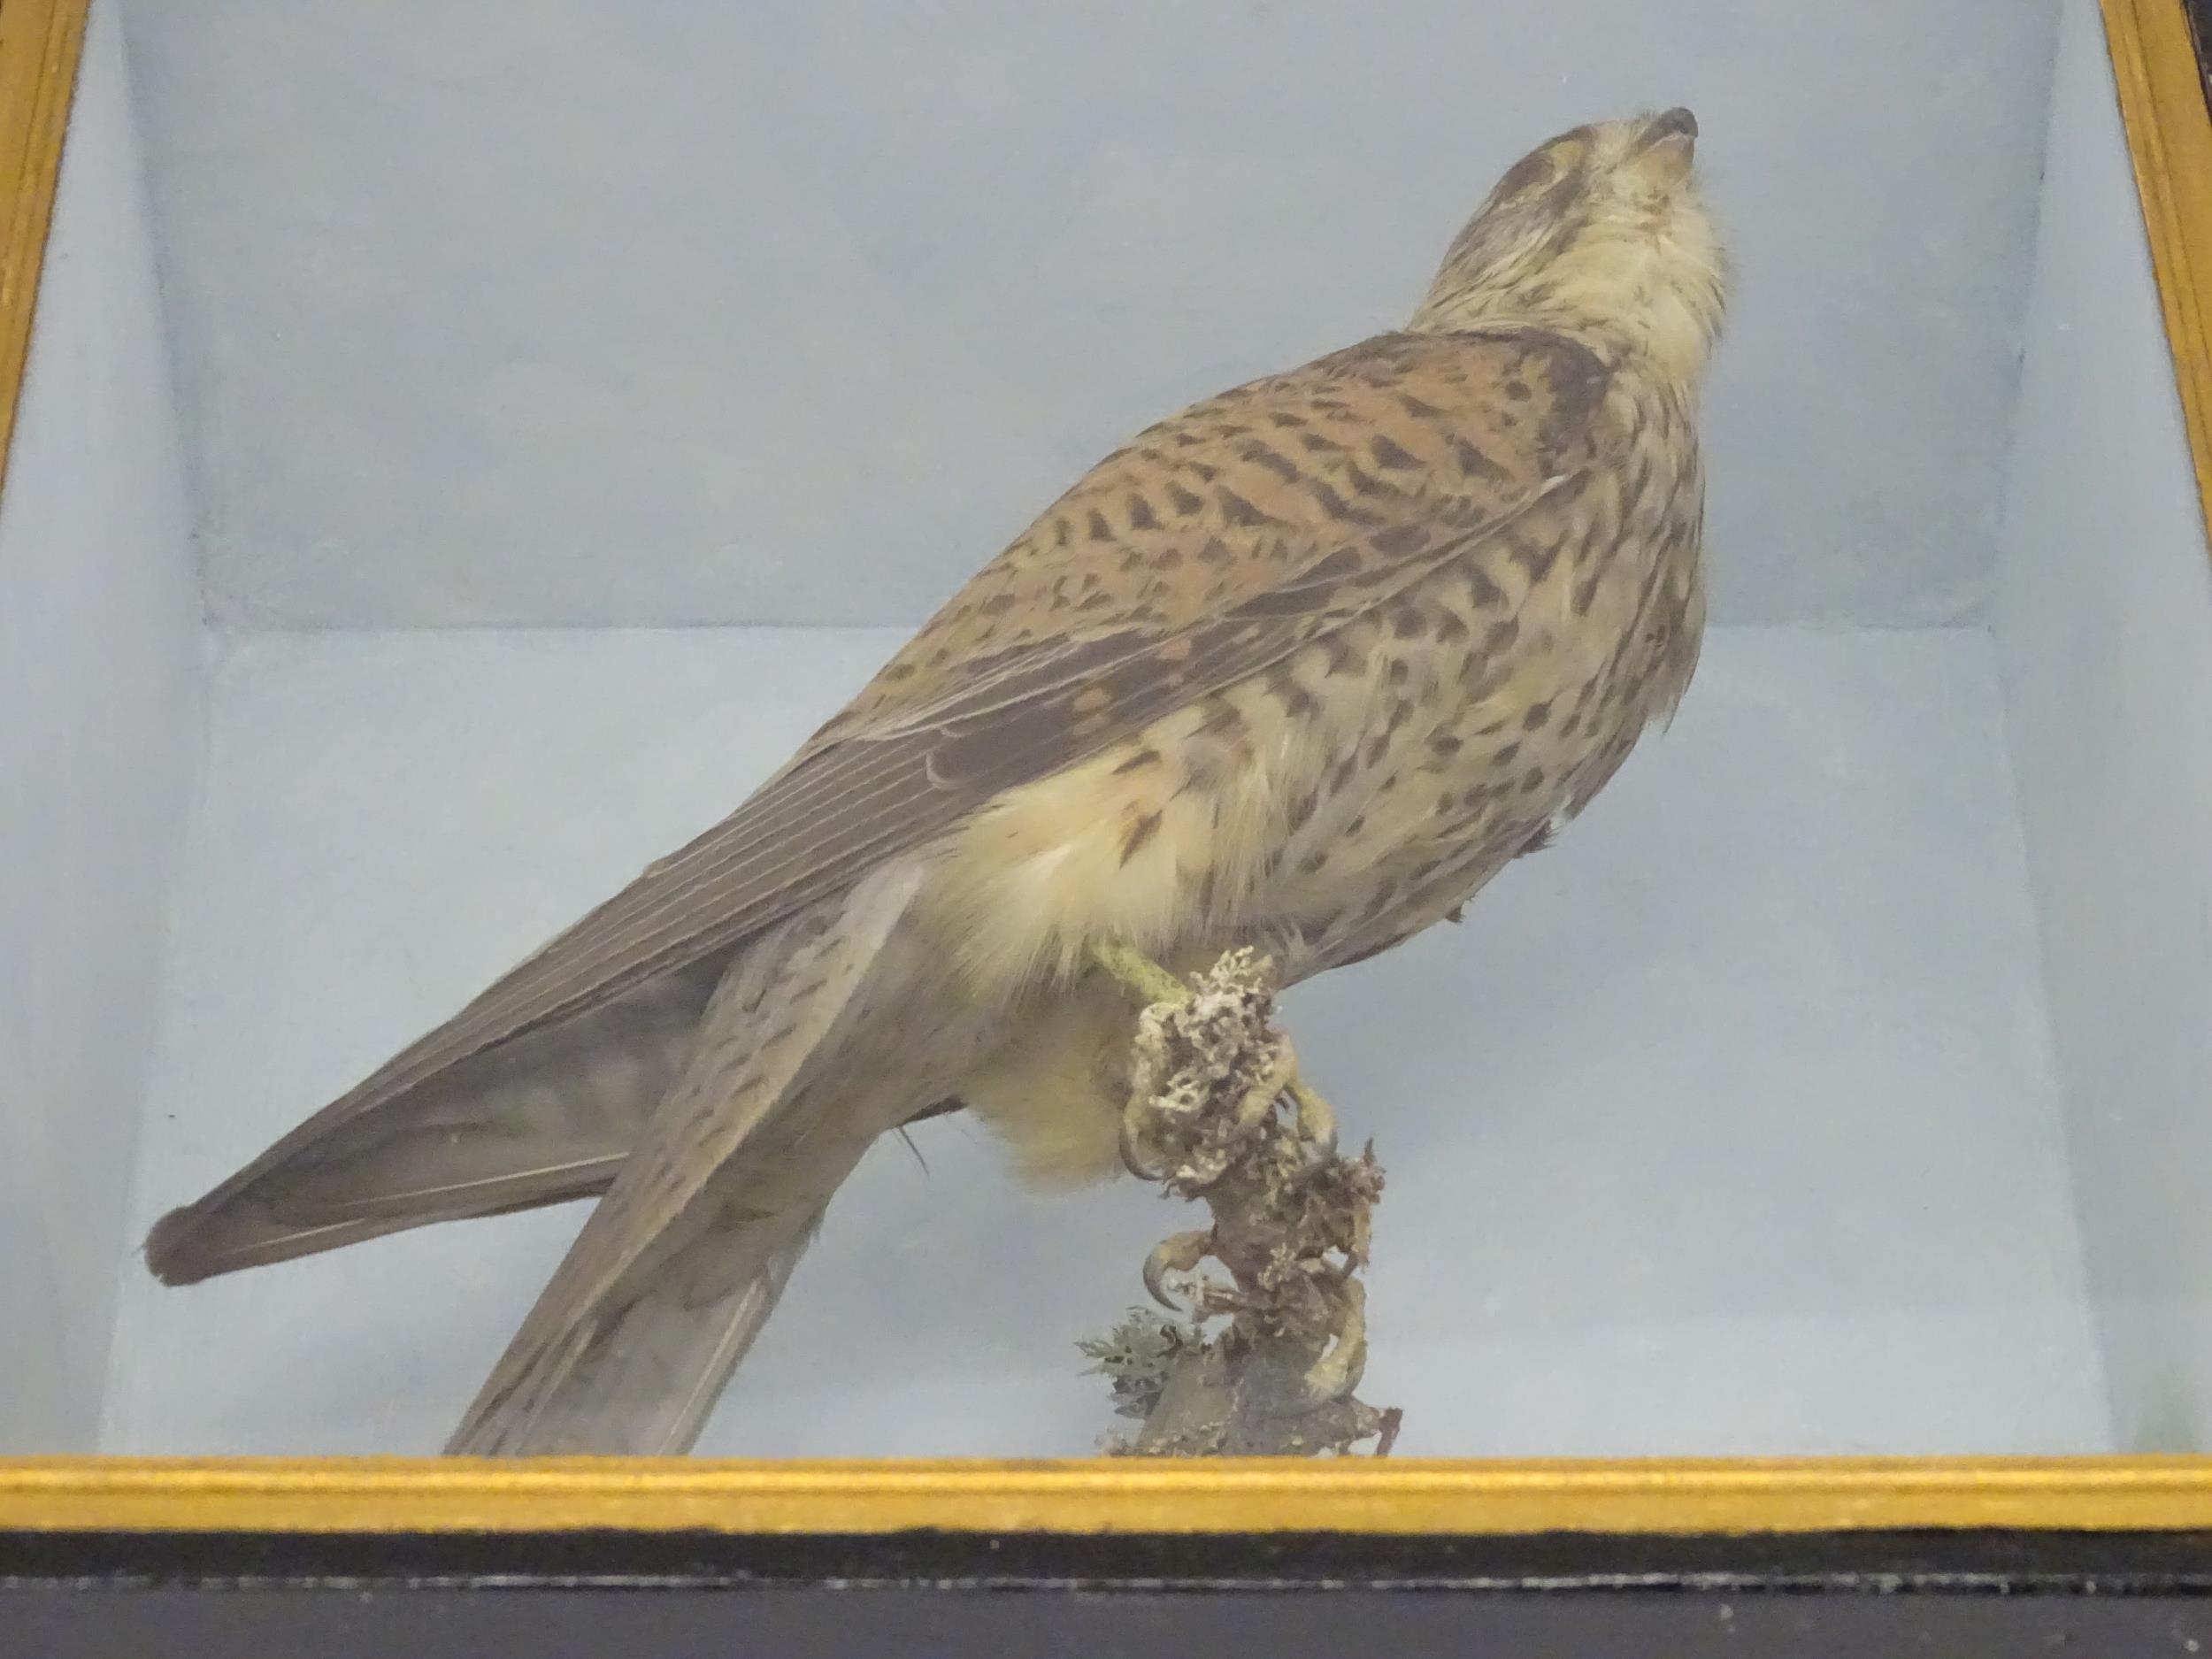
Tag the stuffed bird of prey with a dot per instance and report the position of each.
(1298, 668)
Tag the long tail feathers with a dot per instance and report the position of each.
(548, 1118)
(683, 1261)
(641, 1380)
(661, 1414)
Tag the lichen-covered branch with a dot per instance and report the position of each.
(1217, 1114)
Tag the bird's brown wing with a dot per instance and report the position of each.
(1213, 545)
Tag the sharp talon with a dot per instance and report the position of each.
(1317, 1121)
(1132, 1159)
(1156, 1283)
(1177, 1254)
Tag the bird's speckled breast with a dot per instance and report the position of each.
(1505, 692)
(1350, 796)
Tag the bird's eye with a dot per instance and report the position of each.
(1525, 174)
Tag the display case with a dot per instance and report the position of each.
(460, 453)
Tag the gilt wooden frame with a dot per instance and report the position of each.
(2158, 65)
(39, 43)
(2170, 136)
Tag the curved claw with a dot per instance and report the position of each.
(1132, 1157)
(1179, 1254)
(1337, 1372)
(1317, 1121)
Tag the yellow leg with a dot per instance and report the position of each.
(1140, 975)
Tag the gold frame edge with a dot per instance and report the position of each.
(1361, 1495)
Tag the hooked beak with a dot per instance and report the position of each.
(1675, 123)
(1667, 145)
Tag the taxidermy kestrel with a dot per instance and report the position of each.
(1301, 668)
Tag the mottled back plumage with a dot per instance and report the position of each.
(1301, 665)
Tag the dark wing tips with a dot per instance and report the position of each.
(174, 1251)
(196, 1241)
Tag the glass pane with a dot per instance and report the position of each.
(468, 454)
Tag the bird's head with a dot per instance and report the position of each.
(1601, 230)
